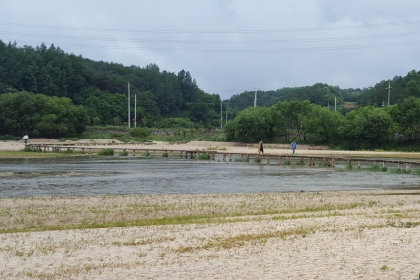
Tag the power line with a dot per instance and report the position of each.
(241, 50)
(167, 41)
(259, 31)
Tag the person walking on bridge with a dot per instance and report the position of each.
(294, 146)
(25, 139)
(261, 147)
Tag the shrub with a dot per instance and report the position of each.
(176, 122)
(124, 153)
(140, 132)
(106, 152)
(241, 160)
(68, 152)
(376, 168)
(117, 135)
(28, 149)
(204, 156)
(165, 155)
(9, 137)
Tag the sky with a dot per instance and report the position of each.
(231, 46)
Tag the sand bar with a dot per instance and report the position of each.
(340, 235)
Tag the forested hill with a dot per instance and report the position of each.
(102, 87)
(326, 95)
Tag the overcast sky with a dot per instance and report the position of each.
(230, 46)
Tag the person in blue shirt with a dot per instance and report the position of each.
(294, 146)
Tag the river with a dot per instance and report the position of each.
(81, 176)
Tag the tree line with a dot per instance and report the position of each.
(363, 128)
(330, 96)
(40, 115)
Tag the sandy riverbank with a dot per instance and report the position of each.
(345, 235)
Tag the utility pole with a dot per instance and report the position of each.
(135, 109)
(255, 98)
(221, 114)
(389, 91)
(335, 103)
(129, 125)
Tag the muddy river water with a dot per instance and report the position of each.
(76, 176)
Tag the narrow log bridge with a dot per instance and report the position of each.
(309, 160)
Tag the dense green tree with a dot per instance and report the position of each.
(252, 124)
(406, 115)
(366, 127)
(40, 115)
(293, 113)
(322, 124)
(104, 106)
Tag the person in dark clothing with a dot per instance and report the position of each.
(261, 147)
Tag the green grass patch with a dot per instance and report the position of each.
(204, 156)
(32, 150)
(68, 152)
(106, 152)
(22, 154)
(123, 153)
(399, 171)
(241, 160)
(178, 220)
(377, 168)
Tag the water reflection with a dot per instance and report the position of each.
(136, 175)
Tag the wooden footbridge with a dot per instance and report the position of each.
(310, 160)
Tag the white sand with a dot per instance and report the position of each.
(363, 235)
